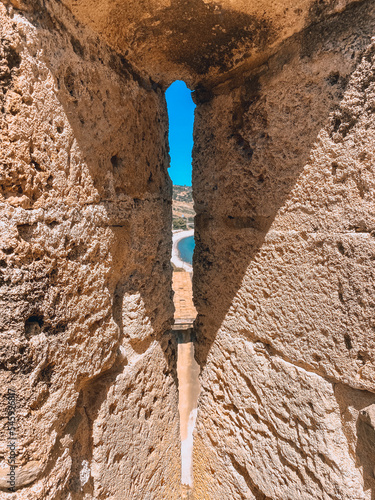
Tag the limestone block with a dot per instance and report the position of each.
(268, 429)
(267, 198)
(283, 188)
(139, 409)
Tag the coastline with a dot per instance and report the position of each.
(176, 259)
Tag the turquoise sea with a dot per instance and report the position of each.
(186, 249)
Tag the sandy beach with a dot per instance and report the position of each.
(176, 260)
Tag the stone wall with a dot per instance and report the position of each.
(85, 276)
(283, 185)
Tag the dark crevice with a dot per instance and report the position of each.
(242, 471)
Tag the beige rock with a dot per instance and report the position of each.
(83, 176)
(199, 40)
(283, 187)
(275, 429)
(135, 439)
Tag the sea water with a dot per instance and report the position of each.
(186, 249)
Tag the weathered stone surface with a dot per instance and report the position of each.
(284, 274)
(135, 433)
(274, 428)
(199, 40)
(83, 177)
(283, 183)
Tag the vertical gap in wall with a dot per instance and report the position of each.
(181, 120)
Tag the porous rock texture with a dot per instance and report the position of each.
(284, 189)
(283, 183)
(85, 274)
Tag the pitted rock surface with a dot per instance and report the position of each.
(283, 186)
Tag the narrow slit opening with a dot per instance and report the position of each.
(181, 121)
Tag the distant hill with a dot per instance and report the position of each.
(182, 207)
(183, 193)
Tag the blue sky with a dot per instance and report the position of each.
(181, 118)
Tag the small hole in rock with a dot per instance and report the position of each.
(115, 161)
(36, 165)
(348, 341)
(341, 248)
(33, 325)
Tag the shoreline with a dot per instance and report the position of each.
(176, 259)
